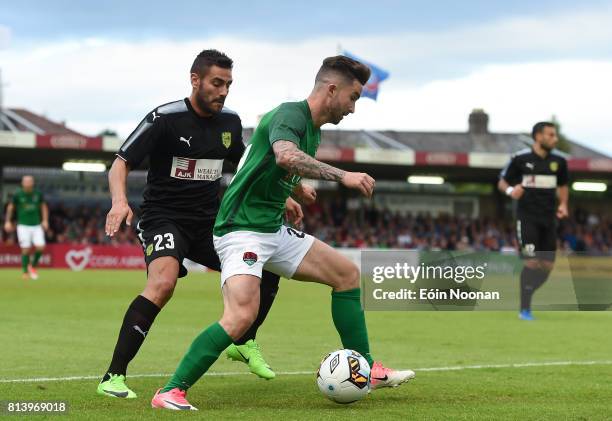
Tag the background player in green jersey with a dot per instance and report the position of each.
(32, 222)
(250, 236)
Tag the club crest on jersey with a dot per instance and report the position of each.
(554, 166)
(226, 138)
(249, 258)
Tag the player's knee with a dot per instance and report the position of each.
(347, 277)
(160, 287)
(245, 320)
(238, 320)
(159, 293)
(546, 266)
(165, 289)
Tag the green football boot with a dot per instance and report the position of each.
(250, 354)
(115, 387)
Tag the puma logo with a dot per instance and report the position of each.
(139, 330)
(182, 139)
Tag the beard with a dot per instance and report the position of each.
(336, 116)
(206, 106)
(546, 147)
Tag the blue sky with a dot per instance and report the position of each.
(521, 61)
(279, 20)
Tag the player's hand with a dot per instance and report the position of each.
(293, 212)
(119, 211)
(45, 225)
(359, 181)
(518, 192)
(562, 211)
(8, 227)
(305, 193)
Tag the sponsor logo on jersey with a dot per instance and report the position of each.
(529, 165)
(249, 258)
(290, 181)
(226, 138)
(196, 169)
(183, 168)
(182, 139)
(540, 181)
(554, 166)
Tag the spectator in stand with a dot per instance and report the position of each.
(342, 225)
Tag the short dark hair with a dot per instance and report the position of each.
(208, 58)
(345, 66)
(539, 127)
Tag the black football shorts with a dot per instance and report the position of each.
(164, 237)
(537, 239)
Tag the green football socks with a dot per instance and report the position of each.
(349, 320)
(25, 261)
(37, 255)
(203, 352)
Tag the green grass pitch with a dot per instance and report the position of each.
(65, 325)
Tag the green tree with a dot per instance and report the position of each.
(108, 132)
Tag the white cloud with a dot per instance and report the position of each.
(100, 83)
(419, 55)
(515, 96)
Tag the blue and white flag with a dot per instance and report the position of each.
(370, 90)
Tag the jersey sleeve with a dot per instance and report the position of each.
(563, 176)
(288, 123)
(236, 148)
(142, 140)
(511, 172)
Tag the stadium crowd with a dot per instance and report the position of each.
(368, 227)
(339, 226)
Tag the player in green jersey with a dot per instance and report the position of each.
(250, 236)
(32, 222)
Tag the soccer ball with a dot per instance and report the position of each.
(344, 376)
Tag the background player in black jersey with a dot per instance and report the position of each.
(535, 177)
(186, 142)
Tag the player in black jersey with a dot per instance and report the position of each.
(535, 177)
(187, 142)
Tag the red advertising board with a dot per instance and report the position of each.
(443, 159)
(69, 141)
(10, 257)
(79, 257)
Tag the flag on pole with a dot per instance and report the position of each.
(370, 90)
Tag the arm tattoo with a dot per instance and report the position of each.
(289, 157)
